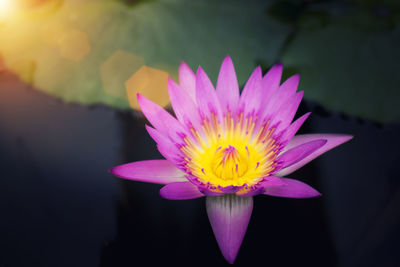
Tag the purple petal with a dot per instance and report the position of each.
(293, 128)
(187, 80)
(286, 112)
(160, 118)
(229, 216)
(333, 140)
(271, 81)
(299, 152)
(150, 171)
(180, 191)
(227, 86)
(260, 187)
(184, 107)
(209, 192)
(284, 92)
(252, 93)
(165, 146)
(289, 87)
(206, 96)
(293, 189)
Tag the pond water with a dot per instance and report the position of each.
(61, 207)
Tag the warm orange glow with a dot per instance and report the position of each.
(150, 82)
(52, 32)
(116, 70)
(6, 8)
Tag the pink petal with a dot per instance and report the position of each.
(206, 96)
(187, 80)
(227, 86)
(251, 97)
(289, 87)
(271, 81)
(180, 191)
(293, 128)
(260, 187)
(160, 118)
(299, 152)
(184, 107)
(169, 150)
(284, 92)
(293, 189)
(229, 217)
(333, 140)
(286, 112)
(150, 171)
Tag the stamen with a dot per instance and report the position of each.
(223, 145)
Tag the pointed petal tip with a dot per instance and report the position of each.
(342, 138)
(278, 67)
(296, 76)
(199, 69)
(292, 189)
(347, 137)
(227, 59)
(141, 100)
(259, 70)
(149, 128)
(184, 65)
(229, 217)
(171, 84)
(293, 80)
(231, 259)
(112, 170)
(305, 115)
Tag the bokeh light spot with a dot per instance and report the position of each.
(150, 82)
(74, 45)
(116, 70)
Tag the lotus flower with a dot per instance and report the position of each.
(229, 147)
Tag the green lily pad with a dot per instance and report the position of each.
(349, 59)
(63, 51)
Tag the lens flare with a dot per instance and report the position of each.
(6, 8)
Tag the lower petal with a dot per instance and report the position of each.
(292, 189)
(180, 191)
(260, 187)
(229, 216)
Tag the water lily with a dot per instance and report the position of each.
(229, 147)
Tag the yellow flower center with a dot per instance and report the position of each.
(232, 154)
(228, 163)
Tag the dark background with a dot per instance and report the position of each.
(60, 206)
